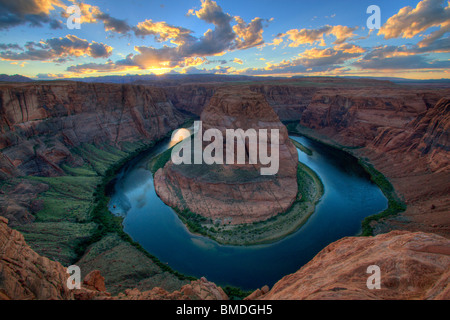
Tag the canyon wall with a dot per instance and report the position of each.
(40, 123)
(407, 141)
(403, 131)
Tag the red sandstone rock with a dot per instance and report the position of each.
(413, 266)
(95, 281)
(25, 275)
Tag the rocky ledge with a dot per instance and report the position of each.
(412, 266)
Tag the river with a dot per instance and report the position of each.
(349, 197)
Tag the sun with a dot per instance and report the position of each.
(179, 135)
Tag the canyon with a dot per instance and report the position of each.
(57, 139)
(401, 130)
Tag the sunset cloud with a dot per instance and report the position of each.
(56, 49)
(248, 35)
(208, 39)
(190, 51)
(93, 14)
(163, 32)
(402, 57)
(409, 22)
(34, 13)
(299, 37)
(312, 60)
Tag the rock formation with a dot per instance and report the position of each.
(406, 139)
(25, 275)
(233, 193)
(391, 124)
(412, 265)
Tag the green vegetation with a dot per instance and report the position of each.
(236, 293)
(193, 221)
(395, 204)
(302, 147)
(110, 224)
(67, 223)
(160, 160)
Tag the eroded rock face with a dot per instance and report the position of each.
(40, 123)
(233, 193)
(413, 266)
(24, 274)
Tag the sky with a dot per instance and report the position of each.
(40, 39)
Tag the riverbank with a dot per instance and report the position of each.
(395, 204)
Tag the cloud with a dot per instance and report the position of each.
(190, 50)
(248, 35)
(436, 45)
(409, 22)
(404, 57)
(401, 62)
(299, 37)
(93, 14)
(163, 32)
(35, 13)
(113, 24)
(49, 76)
(194, 70)
(9, 46)
(237, 60)
(312, 60)
(56, 49)
(109, 66)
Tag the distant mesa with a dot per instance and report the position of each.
(14, 78)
